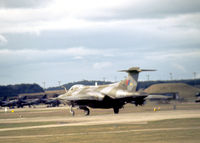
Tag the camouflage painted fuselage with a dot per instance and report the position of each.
(103, 96)
(106, 96)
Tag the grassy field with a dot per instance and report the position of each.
(174, 131)
(162, 131)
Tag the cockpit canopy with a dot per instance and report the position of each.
(75, 87)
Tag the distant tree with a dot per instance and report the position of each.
(141, 84)
(14, 90)
(83, 82)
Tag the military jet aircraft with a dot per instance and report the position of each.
(52, 102)
(13, 103)
(3, 101)
(106, 96)
(33, 102)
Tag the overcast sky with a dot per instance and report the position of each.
(65, 40)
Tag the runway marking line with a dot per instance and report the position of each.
(65, 125)
(105, 132)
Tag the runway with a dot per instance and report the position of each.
(124, 118)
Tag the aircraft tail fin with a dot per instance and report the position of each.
(130, 83)
(23, 98)
(44, 96)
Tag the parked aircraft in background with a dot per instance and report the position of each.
(13, 103)
(3, 101)
(33, 102)
(198, 97)
(23, 101)
(51, 102)
(162, 97)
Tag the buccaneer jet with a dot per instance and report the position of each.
(114, 95)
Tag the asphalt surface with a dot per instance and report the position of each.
(124, 118)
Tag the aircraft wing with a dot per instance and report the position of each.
(86, 96)
(119, 94)
(137, 98)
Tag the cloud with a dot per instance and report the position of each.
(173, 55)
(179, 67)
(146, 33)
(78, 57)
(80, 51)
(198, 75)
(102, 65)
(76, 51)
(89, 14)
(156, 9)
(22, 3)
(22, 56)
(29, 56)
(3, 40)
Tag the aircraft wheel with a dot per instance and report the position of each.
(72, 111)
(87, 111)
(116, 110)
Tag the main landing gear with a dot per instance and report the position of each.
(72, 111)
(86, 110)
(116, 110)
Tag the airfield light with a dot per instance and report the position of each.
(59, 83)
(148, 77)
(194, 73)
(44, 85)
(171, 76)
(115, 78)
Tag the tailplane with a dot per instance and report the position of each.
(130, 83)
